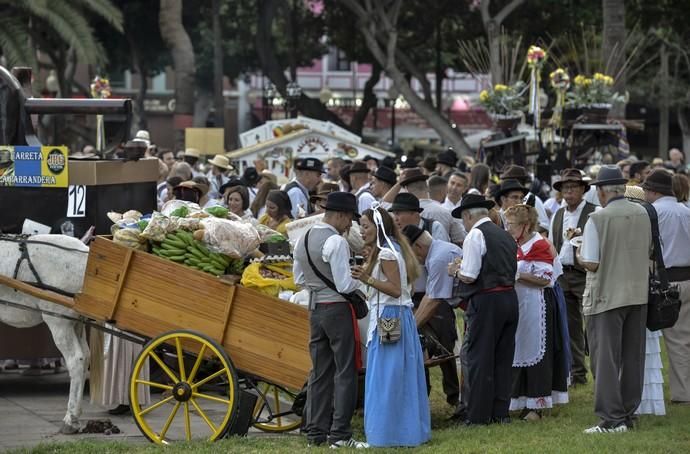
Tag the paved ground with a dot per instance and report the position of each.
(32, 408)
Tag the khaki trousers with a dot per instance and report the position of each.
(677, 341)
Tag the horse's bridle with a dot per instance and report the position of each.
(24, 250)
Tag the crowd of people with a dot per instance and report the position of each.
(541, 279)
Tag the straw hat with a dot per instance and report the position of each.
(220, 161)
(143, 136)
(192, 152)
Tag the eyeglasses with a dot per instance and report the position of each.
(570, 188)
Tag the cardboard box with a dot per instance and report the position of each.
(96, 173)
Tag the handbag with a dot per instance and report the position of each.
(663, 303)
(388, 328)
(356, 298)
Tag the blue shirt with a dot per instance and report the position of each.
(439, 284)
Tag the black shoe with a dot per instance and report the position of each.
(460, 413)
(119, 410)
(502, 420)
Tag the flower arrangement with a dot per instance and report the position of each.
(100, 88)
(503, 100)
(536, 56)
(596, 91)
(560, 80)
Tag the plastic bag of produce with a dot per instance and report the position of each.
(130, 237)
(269, 279)
(232, 238)
(158, 226)
(179, 208)
(188, 224)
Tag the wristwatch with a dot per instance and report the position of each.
(370, 281)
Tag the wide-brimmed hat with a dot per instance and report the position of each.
(370, 158)
(412, 232)
(411, 175)
(192, 152)
(342, 201)
(659, 180)
(250, 176)
(515, 172)
(310, 164)
(448, 157)
(388, 161)
(355, 167)
(472, 201)
(409, 163)
(510, 186)
(405, 202)
(143, 136)
(232, 182)
(609, 175)
(192, 185)
(221, 161)
(570, 175)
(323, 190)
(634, 192)
(386, 174)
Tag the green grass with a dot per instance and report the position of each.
(559, 432)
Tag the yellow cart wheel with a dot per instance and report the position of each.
(199, 399)
(273, 409)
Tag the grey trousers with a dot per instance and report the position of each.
(573, 285)
(332, 389)
(677, 339)
(617, 353)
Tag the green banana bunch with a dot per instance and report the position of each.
(181, 247)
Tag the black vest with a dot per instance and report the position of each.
(557, 233)
(294, 184)
(499, 264)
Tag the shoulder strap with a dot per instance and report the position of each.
(656, 241)
(428, 224)
(316, 271)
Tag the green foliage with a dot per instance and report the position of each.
(504, 99)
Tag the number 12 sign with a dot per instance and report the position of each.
(76, 201)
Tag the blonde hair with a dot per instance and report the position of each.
(392, 230)
(524, 214)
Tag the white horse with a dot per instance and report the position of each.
(60, 264)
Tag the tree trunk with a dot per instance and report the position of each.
(177, 40)
(684, 124)
(439, 70)
(613, 51)
(664, 108)
(369, 100)
(494, 37)
(219, 99)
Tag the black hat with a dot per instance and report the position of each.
(342, 201)
(570, 175)
(355, 167)
(405, 202)
(659, 180)
(472, 201)
(309, 164)
(389, 162)
(386, 174)
(609, 175)
(409, 163)
(408, 176)
(447, 157)
(509, 186)
(370, 158)
(250, 176)
(412, 232)
(233, 181)
(515, 172)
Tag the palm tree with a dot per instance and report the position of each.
(30, 25)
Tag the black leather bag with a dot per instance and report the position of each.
(356, 298)
(663, 304)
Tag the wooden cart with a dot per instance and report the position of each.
(206, 336)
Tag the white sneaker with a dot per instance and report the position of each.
(351, 443)
(603, 430)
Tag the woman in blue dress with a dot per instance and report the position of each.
(396, 405)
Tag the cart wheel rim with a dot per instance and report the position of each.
(183, 399)
(271, 403)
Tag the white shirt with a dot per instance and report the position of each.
(434, 210)
(552, 206)
(473, 250)
(216, 182)
(592, 197)
(364, 198)
(590, 243)
(449, 205)
(335, 252)
(298, 198)
(674, 229)
(570, 219)
(541, 211)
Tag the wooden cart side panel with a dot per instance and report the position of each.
(269, 338)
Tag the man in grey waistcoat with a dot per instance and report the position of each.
(615, 251)
(332, 388)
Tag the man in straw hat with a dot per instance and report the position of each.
(674, 230)
(615, 251)
(487, 280)
(217, 175)
(307, 177)
(332, 388)
(568, 222)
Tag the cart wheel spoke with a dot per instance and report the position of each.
(277, 401)
(270, 412)
(197, 364)
(154, 384)
(164, 366)
(208, 379)
(213, 398)
(156, 405)
(203, 416)
(180, 359)
(187, 423)
(169, 420)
